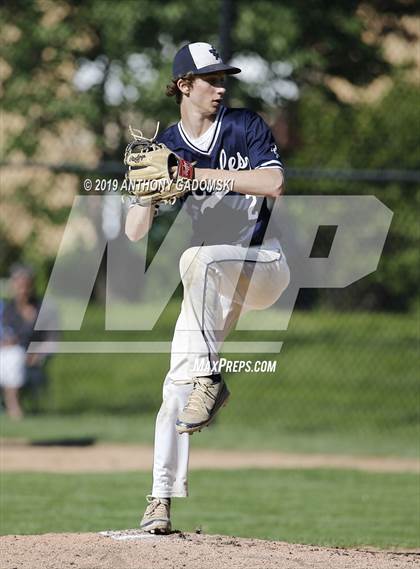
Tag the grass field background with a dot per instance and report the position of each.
(325, 507)
(345, 383)
(224, 434)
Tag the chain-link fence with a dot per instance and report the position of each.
(348, 363)
(342, 103)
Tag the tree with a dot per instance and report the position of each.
(380, 136)
(77, 72)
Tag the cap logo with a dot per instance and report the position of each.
(214, 52)
(203, 54)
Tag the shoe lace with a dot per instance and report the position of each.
(156, 506)
(203, 389)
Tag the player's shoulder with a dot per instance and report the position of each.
(238, 113)
(244, 116)
(169, 136)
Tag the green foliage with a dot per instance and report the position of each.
(380, 136)
(124, 52)
(55, 39)
(375, 136)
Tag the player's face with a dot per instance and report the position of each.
(207, 92)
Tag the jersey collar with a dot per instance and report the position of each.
(213, 140)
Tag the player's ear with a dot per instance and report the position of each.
(184, 86)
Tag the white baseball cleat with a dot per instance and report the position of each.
(209, 394)
(157, 517)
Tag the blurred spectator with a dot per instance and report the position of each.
(18, 317)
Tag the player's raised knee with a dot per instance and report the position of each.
(194, 263)
(187, 260)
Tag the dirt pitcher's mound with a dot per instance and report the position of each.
(185, 551)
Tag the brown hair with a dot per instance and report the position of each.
(172, 90)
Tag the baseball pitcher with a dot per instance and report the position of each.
(224, 166)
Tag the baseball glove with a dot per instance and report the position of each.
(155, 174)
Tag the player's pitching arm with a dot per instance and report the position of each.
(259, 182)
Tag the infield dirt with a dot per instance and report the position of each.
(20, 456)
(186, 551)
(182, 550)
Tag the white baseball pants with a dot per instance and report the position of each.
(220, 282)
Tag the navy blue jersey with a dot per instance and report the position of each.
(241, 141)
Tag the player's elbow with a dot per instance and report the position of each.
(277, 190)
(277, 184)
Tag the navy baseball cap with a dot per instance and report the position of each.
(199, 58)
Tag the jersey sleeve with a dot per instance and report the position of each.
(262, 148)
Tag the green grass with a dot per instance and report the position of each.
(345, 382)
(224, 434)
(335, 369)
(325, 507)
